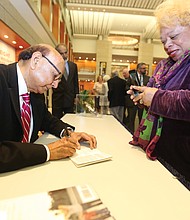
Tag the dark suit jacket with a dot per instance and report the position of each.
(128, 101)
(135, 76)
(116, 91)
(13, 154)
(64, 95)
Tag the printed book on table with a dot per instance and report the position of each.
(86, 156)
(72, 203)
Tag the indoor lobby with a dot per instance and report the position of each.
(102, 36)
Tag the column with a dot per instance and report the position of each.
(103, 55)
(145, 54)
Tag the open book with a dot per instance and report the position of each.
(85, 156)
(78, 202)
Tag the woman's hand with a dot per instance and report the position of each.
(142, 94)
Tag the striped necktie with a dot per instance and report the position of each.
(25, 117)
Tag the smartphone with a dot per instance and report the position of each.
(136, 92)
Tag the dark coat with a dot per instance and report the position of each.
(116, 91)
(128, 101)
(135, 78)
(64, 95)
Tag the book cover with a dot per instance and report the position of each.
(86, 156)
(72, 203)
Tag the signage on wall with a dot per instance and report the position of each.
(7, 53)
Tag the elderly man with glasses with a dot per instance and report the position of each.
(38, 69)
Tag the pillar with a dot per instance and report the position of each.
(103, 56)
(145, 54)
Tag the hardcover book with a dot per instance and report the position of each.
(72, 203)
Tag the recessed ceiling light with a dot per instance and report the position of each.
(79, 58)
(21, 47)
(6, 36)
(14, 42)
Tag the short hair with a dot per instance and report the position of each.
(139, 65)
(27, 53)
(106, 78)
(114, 73)
(172, 13)
(59, 45)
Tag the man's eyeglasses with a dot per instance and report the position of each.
(62, 53)
(60, 73)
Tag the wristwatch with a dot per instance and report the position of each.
(67, 132)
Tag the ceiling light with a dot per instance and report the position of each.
(6, 36)
(123, 40)
(79, 58)
(21, 47)
(14, 42)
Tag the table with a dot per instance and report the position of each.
(131, 186)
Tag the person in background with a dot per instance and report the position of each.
(164, 130)
(23, 112)
(97, 91)
(140, 79)
(116, 95)
(104, 103)
(129, 119)
(64, 96)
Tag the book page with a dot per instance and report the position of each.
(85, 156)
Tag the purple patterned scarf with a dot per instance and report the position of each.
(168, 75)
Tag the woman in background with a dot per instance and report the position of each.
(104, 103)
(97, 90)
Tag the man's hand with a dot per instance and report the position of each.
(67, 146)
(78, 137)
(62, 148)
